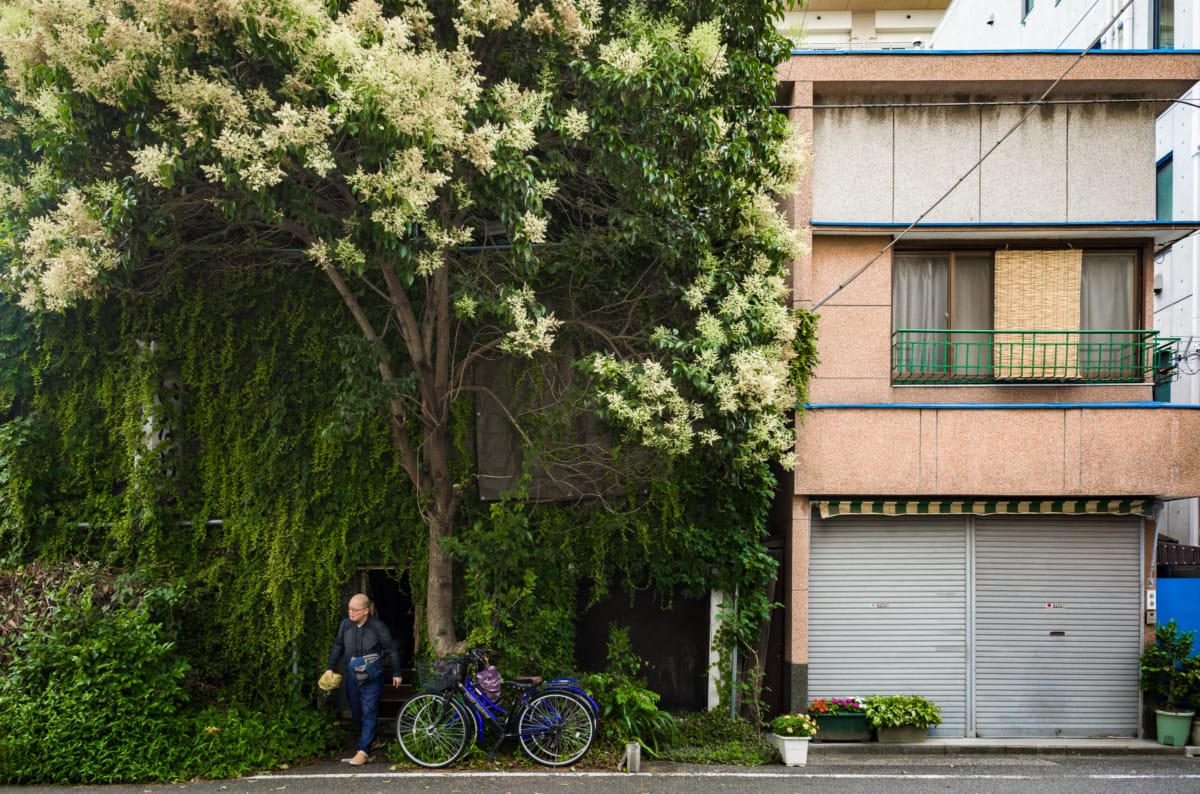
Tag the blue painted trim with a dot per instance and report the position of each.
(1005, 224)
(994, 52)
(996, 406)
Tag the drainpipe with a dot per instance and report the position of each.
(1190, 143)
(733, 665)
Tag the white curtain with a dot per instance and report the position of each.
(920, 300)
(974, 275)
(1108, 302)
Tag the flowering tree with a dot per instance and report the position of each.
(477, 179)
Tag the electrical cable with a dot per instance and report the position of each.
(977, 164)
(990, 103)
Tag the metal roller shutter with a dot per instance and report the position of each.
(887, 611)
(1057, 627)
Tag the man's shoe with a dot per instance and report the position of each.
(360, 758)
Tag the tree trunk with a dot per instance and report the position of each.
(439, 598)
(443, 507)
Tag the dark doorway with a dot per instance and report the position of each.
(673, 641)
(391, 596)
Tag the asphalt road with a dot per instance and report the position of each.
(981, 774)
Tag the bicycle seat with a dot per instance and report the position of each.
(525, 682)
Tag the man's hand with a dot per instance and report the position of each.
(396, 681)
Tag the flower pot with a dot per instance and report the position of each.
(843, 728)
(792, 749)
(902, 734)
(1173, 726)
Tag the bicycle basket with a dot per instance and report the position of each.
(440, 674)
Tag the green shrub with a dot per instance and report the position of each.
(1170, 675)
(97, 693)
(897, 711)
(628, 710)
(713, 737)
(93, 691)
(232, 742)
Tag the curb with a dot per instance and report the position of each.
(1137, 747)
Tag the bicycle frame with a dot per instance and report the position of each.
(554, 722)
(484, 708)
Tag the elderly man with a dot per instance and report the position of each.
(368, 644)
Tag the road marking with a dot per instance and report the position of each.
(790, 775)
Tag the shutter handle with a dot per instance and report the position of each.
(1058, 634)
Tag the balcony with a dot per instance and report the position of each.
(941, 356)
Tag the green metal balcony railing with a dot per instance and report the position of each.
(933, 356)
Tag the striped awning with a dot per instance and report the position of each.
(985, 507)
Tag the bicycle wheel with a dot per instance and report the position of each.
(556, 728)
(434, 730)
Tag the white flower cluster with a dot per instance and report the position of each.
(651, 406)
(401, 192)
(65, 252)
(704, 43)
(533, 227)
(747, 376)
(533, 328)
(478, 16)
(793, 163)
(575, 124)
(573, 20)
(762, 219)
(154, 163)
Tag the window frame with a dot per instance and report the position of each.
(1164, 169)
(1158, 24)
(981, 374)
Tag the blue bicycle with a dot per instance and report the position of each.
(554, 721)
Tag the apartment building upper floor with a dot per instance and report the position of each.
(982, 230)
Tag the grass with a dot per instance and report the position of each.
(708, 737)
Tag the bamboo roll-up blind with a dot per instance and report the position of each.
(1037, 291)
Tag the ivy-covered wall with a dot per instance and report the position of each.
(222, 433)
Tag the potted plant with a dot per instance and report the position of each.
(1170, 676)
(902, 718)
(840, 719)
(790, 734)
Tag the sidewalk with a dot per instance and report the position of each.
(848, 750)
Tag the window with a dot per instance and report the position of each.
(1108, 301)
(1165, 209)
(932, 292)
(984, 316)
(1026, 7)
(1164, 24)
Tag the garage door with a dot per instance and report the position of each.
(887, 609)
(1057, 627)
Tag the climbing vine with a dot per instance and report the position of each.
(193, 429)
(190, 399)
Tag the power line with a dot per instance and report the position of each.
(1084, 16)
(977, 164)
(988, 103)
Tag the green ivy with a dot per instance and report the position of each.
(271, 487)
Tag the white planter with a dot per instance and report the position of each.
(793, 749)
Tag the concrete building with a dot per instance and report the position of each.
(1140, 25)
(981, 462)
(863, 24)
